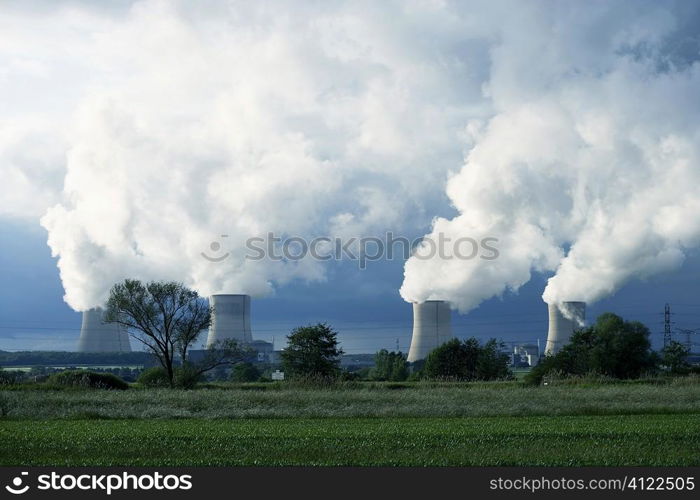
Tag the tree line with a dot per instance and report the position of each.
(615, 348)
(167, 318)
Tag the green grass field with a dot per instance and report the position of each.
(602, 440)
(356, 424)
(356, 400)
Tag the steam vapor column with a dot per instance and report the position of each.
(231, 319)
(98, 336)
(431, 328)
(562, 328)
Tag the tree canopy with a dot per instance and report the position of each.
(390, 366)
(168, 317)
(467, 360)
(674, 357)
(312, 351)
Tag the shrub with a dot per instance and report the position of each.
(5, 405)
(244, 372)
(415, 376)
(10, 377)
(675, 358)
(187, 376)
(154, 377)
(346, 376)
(84, 378)
(467, 360)
(389, 366)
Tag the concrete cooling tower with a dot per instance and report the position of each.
(231, 319)
(562, 328)
(98, 336)
(431, 328)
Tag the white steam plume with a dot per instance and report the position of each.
(590, 166)
(158, 126)
(247, 118)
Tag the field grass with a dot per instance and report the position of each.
(355, 400)
(502, 423)
(567, 441)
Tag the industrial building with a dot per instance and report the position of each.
(98, 336)
(526, 354)
(432, 327)
(564, 318)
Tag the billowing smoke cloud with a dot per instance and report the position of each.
(240, 119)
(168, 125)
(589, 167)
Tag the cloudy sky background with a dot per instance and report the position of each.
(133, 134)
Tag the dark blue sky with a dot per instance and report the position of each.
(364, 306)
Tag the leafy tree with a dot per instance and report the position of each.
(312, 351)
(167, 317)
(389, 366)
(620, 349)
(244, 372)
(467, 360)
(399, 369)
(612, 347)
(492, 362)
(450, 360)
(675, 358)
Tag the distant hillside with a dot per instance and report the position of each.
(61, 358)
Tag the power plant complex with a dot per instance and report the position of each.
(432, 327)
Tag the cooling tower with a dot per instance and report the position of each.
(231, 319)
(560, 327)
(98, 336)
(431, 328)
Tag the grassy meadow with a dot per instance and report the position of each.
(656, 422)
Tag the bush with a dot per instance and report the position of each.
(187, 377)
(318, 382)
(389, 366)
(674, 357)
(84, 378)
(244, 372)
(4, 406)
(154, 377)
(415, 376)
(346, 376)
(467, 360)
(10, 377)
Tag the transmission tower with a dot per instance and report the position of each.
(688, 341)
(667, 325)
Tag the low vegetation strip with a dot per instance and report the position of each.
(656, 440)
(357, 400)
